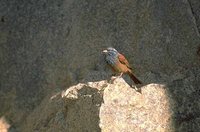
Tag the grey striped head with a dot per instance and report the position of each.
(110, 51)
(111, 56)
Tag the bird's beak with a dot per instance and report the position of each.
(104, 51)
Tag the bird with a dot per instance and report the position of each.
(119, 64)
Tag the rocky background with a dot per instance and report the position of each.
(50, 46)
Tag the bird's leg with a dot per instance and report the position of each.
(120, 75)
(113, 77)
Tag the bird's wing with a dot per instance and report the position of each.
(123, 60)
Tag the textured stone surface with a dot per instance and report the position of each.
(4, 125)
(75, 110)
(101, 106)
(125, 110)
(47, 46)
(195, 8)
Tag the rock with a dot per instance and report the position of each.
(101, 106)
(75, 109)
(195, 8)
(4, 125)
(46, 47)
(124, 109)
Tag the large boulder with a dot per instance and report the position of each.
(101, 106)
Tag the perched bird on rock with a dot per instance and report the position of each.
(119, 63)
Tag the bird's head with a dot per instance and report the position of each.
(110, 51)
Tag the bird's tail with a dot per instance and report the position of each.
(134, 78)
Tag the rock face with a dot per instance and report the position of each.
(195, 8)
(75, 110)
(101, 106)
(48, 46)
(125, 110)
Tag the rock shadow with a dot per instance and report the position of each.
(82, 112)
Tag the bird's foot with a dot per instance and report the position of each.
(138, 89)
(113, 79)
(114, 76)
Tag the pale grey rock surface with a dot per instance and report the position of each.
(101, 106)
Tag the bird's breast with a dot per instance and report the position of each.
(114, 62)
(111, 60)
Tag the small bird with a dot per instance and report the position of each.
(119, 63)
